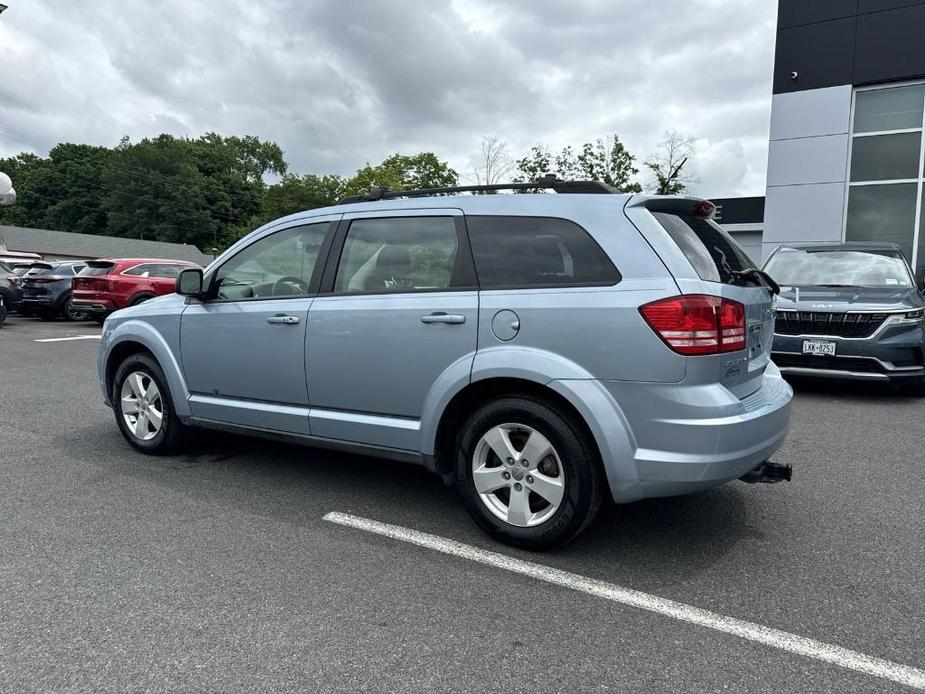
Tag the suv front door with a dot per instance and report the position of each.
(243, 348)
(398, 311)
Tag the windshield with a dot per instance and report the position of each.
(839, 267)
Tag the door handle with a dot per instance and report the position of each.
(441, 317)
(283, 320)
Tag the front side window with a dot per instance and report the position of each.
(395, 254)
(279, 265)
(526, 252)
(839, 268)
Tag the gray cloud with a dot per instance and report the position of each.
(338, 83)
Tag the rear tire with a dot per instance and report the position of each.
(70, 314)
(140, 299)
(143, 407)
(533, 504)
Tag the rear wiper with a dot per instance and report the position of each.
(756, 276)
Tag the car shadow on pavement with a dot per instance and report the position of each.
(667, 540)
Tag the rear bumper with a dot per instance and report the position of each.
(38, 303)
(687, 438)
(896, 355)
(92, 307)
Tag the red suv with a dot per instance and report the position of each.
(107, 285)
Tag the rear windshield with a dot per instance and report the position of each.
(96, 269)
(713, 253)
(839, 267)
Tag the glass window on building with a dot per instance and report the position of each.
(885, 193)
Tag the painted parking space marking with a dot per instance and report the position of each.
(785, 641)
(68, 339)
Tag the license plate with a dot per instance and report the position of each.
(819, 348)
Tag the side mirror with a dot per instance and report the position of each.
(189, 282)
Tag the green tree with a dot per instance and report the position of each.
(670, 165)
(605, 160)
(156, 191)
(535, 164)
(399, 171)
(295, 193)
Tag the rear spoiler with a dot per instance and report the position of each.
(101, 264)
(696, 207)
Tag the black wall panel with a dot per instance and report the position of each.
(822, 54)
(865, 6)
(791, 13)
(739, 210)
(890, 45)
(835, 42)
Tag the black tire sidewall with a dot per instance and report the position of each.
(579, 463)
(167, 438)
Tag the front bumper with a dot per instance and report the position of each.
(896, 354)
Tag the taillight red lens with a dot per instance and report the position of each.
(47, 279)
(697, 324)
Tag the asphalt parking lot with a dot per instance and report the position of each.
(215, 571)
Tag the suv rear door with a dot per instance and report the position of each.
(705, 259)
(400, 312)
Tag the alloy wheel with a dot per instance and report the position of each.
(142, 405)
(518, 475)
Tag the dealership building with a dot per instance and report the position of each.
(846, 158)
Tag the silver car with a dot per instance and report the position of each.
(541, 352)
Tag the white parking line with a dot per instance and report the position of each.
(68, 339)
(800, 645)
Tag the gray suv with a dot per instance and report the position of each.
(849, 311)
(538, 351)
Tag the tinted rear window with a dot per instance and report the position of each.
(712, 252)
(97, 269)
(536, 252)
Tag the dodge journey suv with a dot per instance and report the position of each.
(538, 351)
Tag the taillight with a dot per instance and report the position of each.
(697, 324)
(47, 279)
(14, 281)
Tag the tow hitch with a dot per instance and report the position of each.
(769, 473)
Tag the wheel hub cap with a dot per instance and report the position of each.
(142, 406)
(518, 475)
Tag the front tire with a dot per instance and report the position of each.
(143, 407)
(528, 475)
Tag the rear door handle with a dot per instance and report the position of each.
(441, 317)
(283, 320)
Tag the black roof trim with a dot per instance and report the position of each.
(547, 182)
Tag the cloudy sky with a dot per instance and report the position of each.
(340, 82)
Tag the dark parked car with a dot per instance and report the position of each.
(848, 311)
(46, 290)
(10, 288)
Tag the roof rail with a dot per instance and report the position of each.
(547, 182)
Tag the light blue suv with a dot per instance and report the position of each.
(539, 351)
